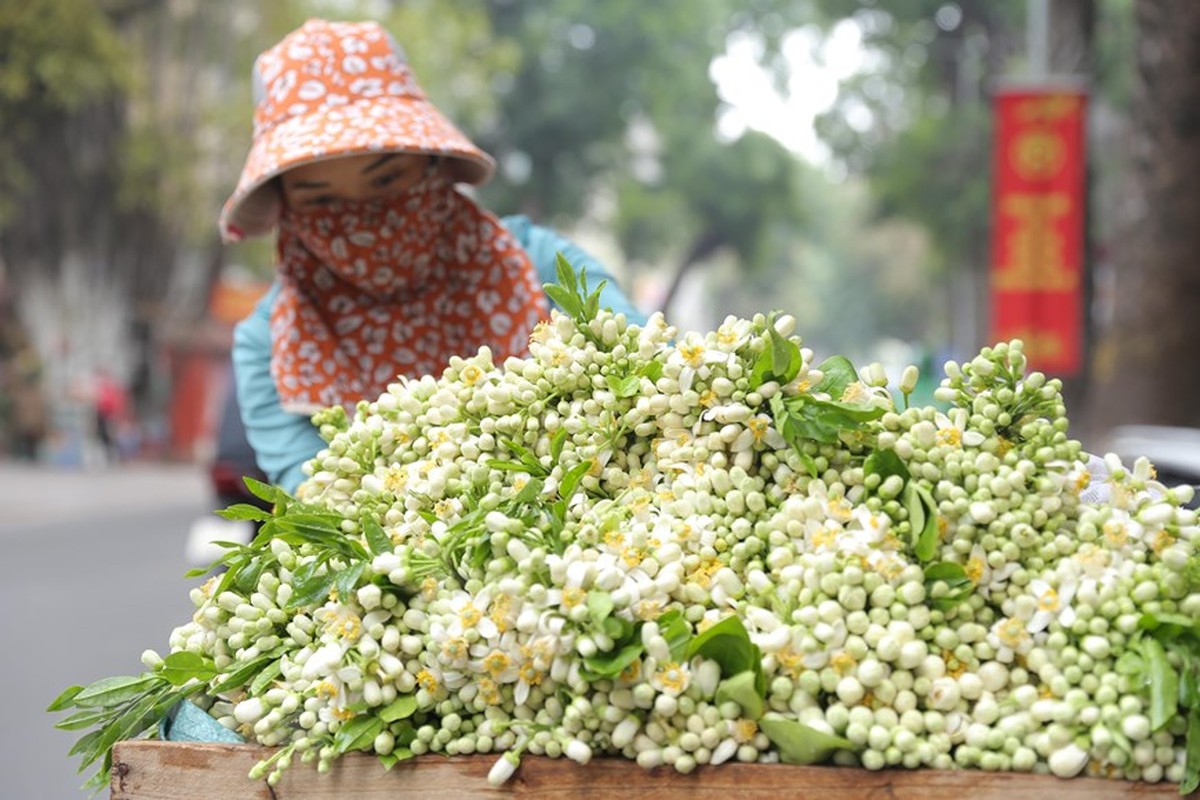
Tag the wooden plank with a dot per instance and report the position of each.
(153, 770)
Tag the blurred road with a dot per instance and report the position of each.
(91, 574)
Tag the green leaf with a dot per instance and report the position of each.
(798, 743)
(600, 605)
(377, 540)
(838, 373)
(115, 691)
(529, 492)
(270, 672)
(556, 444)
(1191, 766)
(922, 516)
(248, 575)
(348, 579)
(1189, 681)
(727, 643)
(239, 676)
(653, 371)
(395, 757)
(955, 577)
(82, 719)
(507, 466)
(741, 689)
(569, 303)
(1164, 683)
(616, 628)
(779, 361)
(593, 302)
(1133, 665)
(566, 273)
(612, 664)
(240, 511)
(402, 707)
(183, 666)
(574, 475)
(357, 734)
(85, 744)
(312, 591)
(265, 491)
(885, 463)
(65, 699)
(1167, 627)
(675, 629)
(627, 386)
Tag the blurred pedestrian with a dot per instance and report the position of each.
(30, 417)
(384, 267)
(111, 404)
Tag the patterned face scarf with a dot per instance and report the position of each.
(373, 290)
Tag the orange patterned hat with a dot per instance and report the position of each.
(332, 89)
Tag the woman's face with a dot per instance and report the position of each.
(356, 178)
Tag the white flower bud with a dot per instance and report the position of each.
(1069, 761)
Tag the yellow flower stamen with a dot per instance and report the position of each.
(472, 374)
(744, 730)
(758, 429)
(692, 354)
(1048, 600)
(470, 616)
(672, 677)
(427, 681)
(572, 597)
(500, 611)
(497, 662)
(395, 479)
(974, 569)
(855, 393)
(950, 437)
(842, 662)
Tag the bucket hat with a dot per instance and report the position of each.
(331, 89)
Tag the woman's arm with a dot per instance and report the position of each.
(544, 245)
(282, 441)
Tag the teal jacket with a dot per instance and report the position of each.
(284, 441)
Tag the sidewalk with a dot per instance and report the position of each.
(31, 494)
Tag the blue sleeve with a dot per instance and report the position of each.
(282, 441)
(544, 245)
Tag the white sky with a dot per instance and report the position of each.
(816, 68)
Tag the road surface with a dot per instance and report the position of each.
(91, 574)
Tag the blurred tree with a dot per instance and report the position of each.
(614, 100)
(1143, 366)
(917, 125)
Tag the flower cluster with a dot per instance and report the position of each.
(686, 549)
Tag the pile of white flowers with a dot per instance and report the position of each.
(686, 549)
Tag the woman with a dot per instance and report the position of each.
(384, 267)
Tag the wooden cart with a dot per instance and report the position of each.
(182, 771)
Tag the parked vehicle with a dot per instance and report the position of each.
(1174, 452)
(233, 460)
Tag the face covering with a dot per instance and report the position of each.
(373, 290)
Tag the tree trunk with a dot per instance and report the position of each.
(1072, 53)
(701, 248)
(1144, 368)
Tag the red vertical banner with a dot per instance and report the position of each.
(1038, 211)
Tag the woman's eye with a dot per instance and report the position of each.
(320, 200)
(388, 179)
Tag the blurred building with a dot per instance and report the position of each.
(200, 367)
